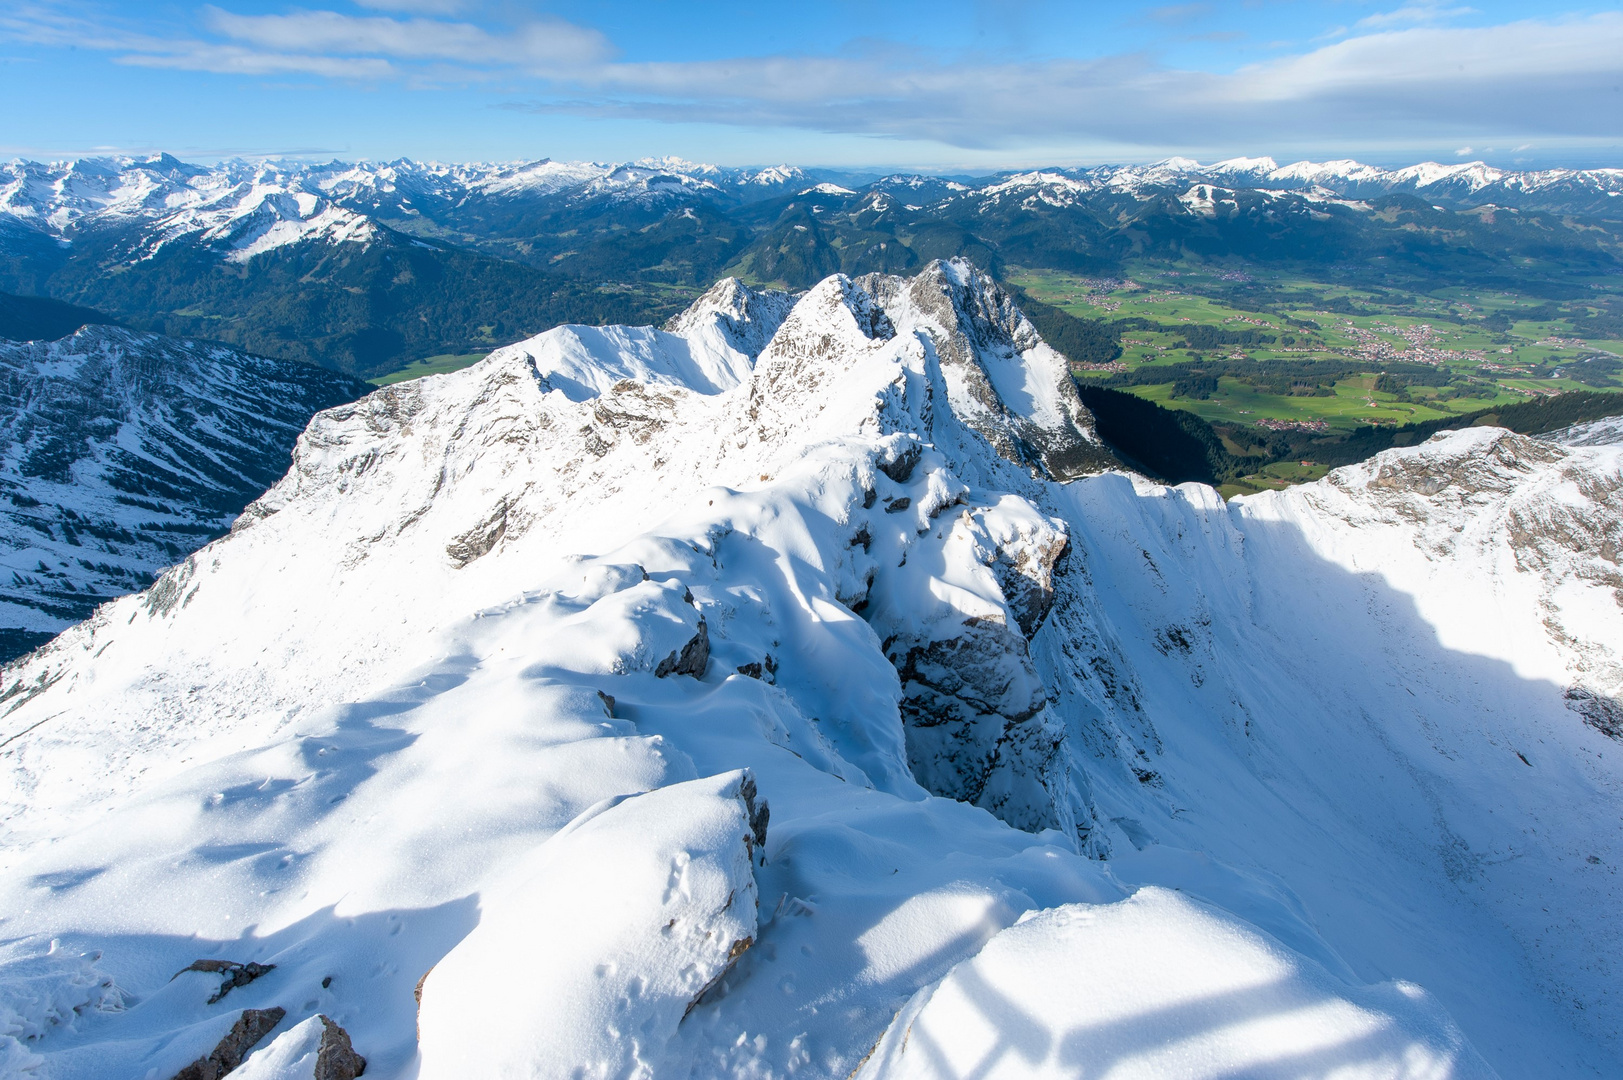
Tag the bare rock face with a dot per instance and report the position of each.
(956, 622)
(314, 1049)
(746, 317)
(1025, 573)
(480, 540)
(336, 1058)
(252, 1026)
(1604, 714)
(975, 712)
(693, 658)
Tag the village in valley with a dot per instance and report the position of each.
(1481, 348)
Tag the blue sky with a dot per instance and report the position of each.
(953, 84)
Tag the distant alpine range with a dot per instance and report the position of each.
(364, 267)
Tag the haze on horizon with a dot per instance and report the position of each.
(969, 85)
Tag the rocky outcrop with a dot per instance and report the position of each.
(1002, 379)
(235, 974)
(692, 659)
(316, 1049)
(746, 318)
(955, 617)
(336, 1058)
(252, 1026)
(975, 712)
(1604, 714)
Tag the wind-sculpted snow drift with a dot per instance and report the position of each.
(466, 736)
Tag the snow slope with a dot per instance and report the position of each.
(468, 692)
(121, 452)
(708, 348)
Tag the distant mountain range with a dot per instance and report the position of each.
(245, 208)
(366, 266)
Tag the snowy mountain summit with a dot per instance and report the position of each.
(798, 690)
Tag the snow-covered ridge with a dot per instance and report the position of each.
(245, 208)
(60, 197)
(1471, 183)
(818, 722)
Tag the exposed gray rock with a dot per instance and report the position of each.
(481, 539)
(337, 1059)
(1600, 712)
(693, 658)
(252, 1026)
(898, 464)
(748, 317)
(1026, 575)
(973, 322)
(758, 812)
(977, 726)
(235, 974)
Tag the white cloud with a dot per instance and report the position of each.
(1412, 15)
(232, 60)
(1526, 78)
(1464, 151)
(547, 41)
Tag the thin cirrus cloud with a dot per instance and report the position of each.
(1412, 15)
(544, 42)
(1177, 14)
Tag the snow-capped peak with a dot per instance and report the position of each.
(773, 176)
(827, 189)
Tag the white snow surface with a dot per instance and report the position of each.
(1160, 987)
(1604, 432)
(708, 348)
(469, 691)
(629, 917)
